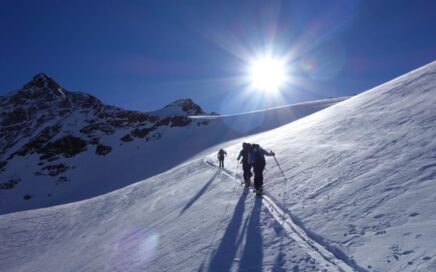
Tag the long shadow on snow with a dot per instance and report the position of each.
(226, 252)
(252, 256)
(200, 193)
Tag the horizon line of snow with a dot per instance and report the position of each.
(328, 100)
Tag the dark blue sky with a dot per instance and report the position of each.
(144, 54)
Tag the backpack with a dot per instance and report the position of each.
(255, 157)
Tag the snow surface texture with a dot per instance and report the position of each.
(354, 190)
(60, 146)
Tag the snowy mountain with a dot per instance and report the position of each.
(354, 190)
(60, 146)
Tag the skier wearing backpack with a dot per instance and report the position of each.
(257, 159)
(246, 165)
(220, 157)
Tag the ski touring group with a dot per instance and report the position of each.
(252, 156)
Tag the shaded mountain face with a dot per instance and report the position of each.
(52, 124)
(33, 120)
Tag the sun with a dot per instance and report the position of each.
(267, 74)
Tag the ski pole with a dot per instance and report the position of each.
(286, 179)
(280, 167)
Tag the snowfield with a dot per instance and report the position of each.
(354, 190)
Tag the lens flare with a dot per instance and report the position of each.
(324, 62)
(133, 249)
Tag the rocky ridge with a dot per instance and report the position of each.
(44, 119)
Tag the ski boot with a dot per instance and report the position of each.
(258, 191)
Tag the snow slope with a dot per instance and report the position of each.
(60, 146)
(153, 226)
(354, 191)
(361, 175)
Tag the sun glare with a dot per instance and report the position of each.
(267, 74)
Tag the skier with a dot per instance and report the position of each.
(246, 166)
(220, 157)
(257, 159)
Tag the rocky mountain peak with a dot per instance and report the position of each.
(42, 81)
(186, 105)
(44, 92)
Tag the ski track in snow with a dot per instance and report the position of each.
(296, 231)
